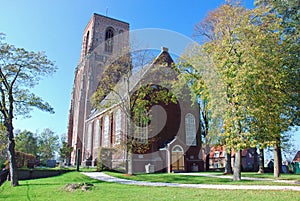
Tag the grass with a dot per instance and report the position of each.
(295, 177)
(185, 179)
(50, 189)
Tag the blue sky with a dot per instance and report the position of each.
(56, 27)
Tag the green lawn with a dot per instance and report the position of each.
(52, 189)
(271, 176)
(185, 179)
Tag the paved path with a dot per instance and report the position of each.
(104, 177)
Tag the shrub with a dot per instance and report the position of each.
(104, 158)
(22, 159)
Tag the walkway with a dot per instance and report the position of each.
(104, 177)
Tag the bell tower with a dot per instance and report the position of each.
(105, 34)
(102, 38)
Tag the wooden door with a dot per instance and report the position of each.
(177, 159)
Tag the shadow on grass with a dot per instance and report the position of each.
(43, 183)
(187, 179)
(172, 178)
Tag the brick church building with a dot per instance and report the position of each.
(170, 142)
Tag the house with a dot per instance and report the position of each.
(217, 158)
(297, 157)
(169, 141)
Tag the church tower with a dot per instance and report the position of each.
(102, 32)
(102, 38)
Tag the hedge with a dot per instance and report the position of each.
(22, 159)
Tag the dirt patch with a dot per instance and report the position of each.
(78, 186)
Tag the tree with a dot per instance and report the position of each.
(191, 76)
(26, 142)
(259, 69)
(65, 152)
(247, 49)
(288, 13)
(20, 70)
(222, 45)
(48, 144)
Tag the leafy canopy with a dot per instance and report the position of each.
(20, 71)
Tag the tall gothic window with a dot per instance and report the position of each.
(190, 130)
(118, 127)
(106, 131)
(141, 130)
(97, 130)
(109, 34)
(89, 137)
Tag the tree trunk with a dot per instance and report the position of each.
(276, 161)
(280, 160)
(129, 147)
(130, 133)
(255, 162)
(261, 161)
(228, 168)
(11, 154)
(207, 152)
(207, 162)
(129, 162)
(237, 166)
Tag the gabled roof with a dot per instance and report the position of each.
(297, 157)
(163, 59)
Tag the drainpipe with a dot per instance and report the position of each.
(168, 159)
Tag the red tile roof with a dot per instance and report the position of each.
(297, 157)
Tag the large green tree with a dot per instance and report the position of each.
(258, 98)
(65, 150)
(222, 50)
(288, 15)
(191, 75)
(26, 142)
(20, 70)
(48, 144)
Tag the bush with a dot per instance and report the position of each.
(22, 159)
(104, 158)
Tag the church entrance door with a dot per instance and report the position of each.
(177, 159)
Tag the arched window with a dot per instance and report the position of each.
(177, 148)
(118, 127)
(109, 34)
(190, 130)
(106, 131)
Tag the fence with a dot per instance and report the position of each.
(3, 176)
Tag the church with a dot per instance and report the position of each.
(169, 141)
